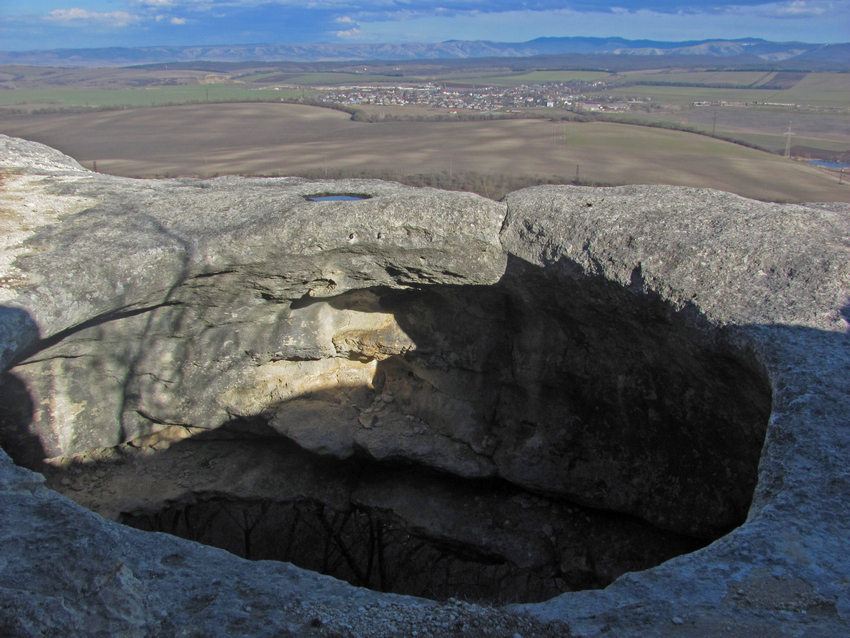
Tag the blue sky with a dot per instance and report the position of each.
(50, 24)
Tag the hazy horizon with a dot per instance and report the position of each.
(27, 25)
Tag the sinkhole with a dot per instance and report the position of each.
(501, 443)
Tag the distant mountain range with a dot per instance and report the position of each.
(313, 52)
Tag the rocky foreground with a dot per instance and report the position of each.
(587, 412)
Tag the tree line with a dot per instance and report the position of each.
(491, 185)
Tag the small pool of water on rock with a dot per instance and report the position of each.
(336, 198)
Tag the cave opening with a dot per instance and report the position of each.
(389, 525)
(502, 444)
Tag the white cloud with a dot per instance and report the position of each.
(155, 3)
(73, 17)
(192, 5)
(350, 34)
(352, 5)
(178, 20)
(801, 8)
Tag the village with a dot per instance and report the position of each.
(484, 99)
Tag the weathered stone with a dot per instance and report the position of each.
(662, 365)
(188, 284)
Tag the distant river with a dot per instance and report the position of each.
(833, 165)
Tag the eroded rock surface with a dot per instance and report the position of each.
(516, 399)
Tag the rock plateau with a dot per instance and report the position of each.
(588, 412)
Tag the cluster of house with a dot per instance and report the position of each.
(725, 103)
(485, 98)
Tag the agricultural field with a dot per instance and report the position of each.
(818, 135)
(742, 79)
(819, 123)
(33, 77)
(738, 78)
(816, 90)
(820, 89)
(682, 96)
(335, 79)
(536, 77)
(282, 139)
(138, 97)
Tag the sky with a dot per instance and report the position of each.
(56, 24)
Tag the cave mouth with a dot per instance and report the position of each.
(390, 526)
(365, 547)
(500, 443)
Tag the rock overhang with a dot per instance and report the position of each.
(768, 281)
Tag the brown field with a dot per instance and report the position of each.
(766, 127)
(280, 139)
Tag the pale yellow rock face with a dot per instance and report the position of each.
(353, 340)
(279, 381)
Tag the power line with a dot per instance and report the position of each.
(788, 142)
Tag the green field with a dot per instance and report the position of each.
(741, 78)
(776, 143)
(686, 95)
(334, 79)
(820, 89)
(285, 139)
(138, 97)
(815, 89)
(540, 77)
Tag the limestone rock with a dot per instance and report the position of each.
(662, 360)
(191, 281)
